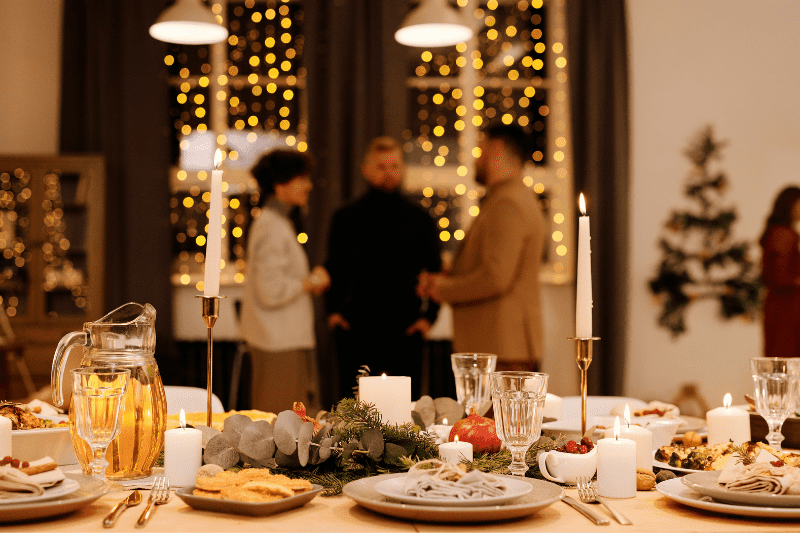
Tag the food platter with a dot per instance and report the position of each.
(88, 490)
(393, 488)
(217, 505)
(542, 495)
(675, 490)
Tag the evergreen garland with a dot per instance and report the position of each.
(699, 261)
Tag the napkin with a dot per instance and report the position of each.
(15, 483)
(763, 478)
(472, 486)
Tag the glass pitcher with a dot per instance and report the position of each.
(124, 338)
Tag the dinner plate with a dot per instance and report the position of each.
(67, 486)
(89, 489)
(394, 488)
(204, 503)
(675, 490)
(543, 494)
(706, 483)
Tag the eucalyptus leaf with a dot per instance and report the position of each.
(313, 455)
(372, 439)
(287, 460)
(236, 424)
(256, 440)
(304, 442)
(219, 451)
(325, 449)
(427, 410)
(207, 433)
(348, 449)
(323, 433)
(287, 428)
(448, 408)
(393, 453)
(417, 419)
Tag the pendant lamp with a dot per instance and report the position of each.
(433, 23)
(188, 22)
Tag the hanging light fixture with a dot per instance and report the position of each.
(433, 23)
(188, 22)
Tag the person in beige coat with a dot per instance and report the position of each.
(493, 286)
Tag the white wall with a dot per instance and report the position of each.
(30, 76)
(732, 64)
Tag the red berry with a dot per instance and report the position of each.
(571, 447)
(15, 463)
(25, 464)
(583, 449)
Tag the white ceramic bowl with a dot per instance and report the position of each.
(663, 430)
(32, 444)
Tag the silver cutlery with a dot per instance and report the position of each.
(588, 494)
(134, 498)
(159, 495)
(586, 511)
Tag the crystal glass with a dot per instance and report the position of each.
(98, 395)
(518, 400)
(776, 382)
(471, 371)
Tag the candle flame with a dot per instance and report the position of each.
(383, 376)
(444, 421)
(616, 427)
(455, 439)
(217, 158)
(183, 419)
(727, 400)
(582, 203)
(627, 415)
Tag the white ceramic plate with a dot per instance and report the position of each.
(675, 490)
(706, 483)
(393, 488)
(204, 503)
(543, 495)
(67, 486)
(665, 466)
(89, 490)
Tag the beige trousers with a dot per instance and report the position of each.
(281, 378)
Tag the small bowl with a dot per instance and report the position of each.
(663, 430)
(563, 467)
(33, 444)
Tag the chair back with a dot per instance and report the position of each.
(596, 405)
(191, 400)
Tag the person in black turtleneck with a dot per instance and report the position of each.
(378, 247)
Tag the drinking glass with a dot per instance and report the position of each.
(776, 381)
(472, 378)
(99, 400)
(518, 400)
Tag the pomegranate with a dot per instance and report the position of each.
(478, 431)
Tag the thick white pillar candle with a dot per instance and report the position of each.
(726, 424)
(553, 407)
(183, 454)
(391, 395)
(455, 452)
(616, 466)
(583, 293)
(641, 436)
(5, 437)
(214, 236)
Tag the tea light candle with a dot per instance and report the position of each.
(391, 395)
(183, 454)
(553, 407)
(214, 236)
(641, 436)
(5, 437)
(456, 451)
(728, 423)
(616, 466)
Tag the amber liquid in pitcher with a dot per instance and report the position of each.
(140, 441)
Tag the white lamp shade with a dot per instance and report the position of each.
(433, 23)
(188, 22)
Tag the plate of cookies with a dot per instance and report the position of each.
(251, 491)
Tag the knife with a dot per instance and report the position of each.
(134, 498)
(587, 511)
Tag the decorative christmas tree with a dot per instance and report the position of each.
(700, 261)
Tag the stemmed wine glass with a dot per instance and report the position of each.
(471, 371)
(776, 381)
(99, 400)
(518, 400)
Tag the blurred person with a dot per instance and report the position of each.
(493, 286)
(277, 316)
(378, 247)
(780, 274)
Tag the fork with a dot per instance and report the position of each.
(159, 495)
(587, 492)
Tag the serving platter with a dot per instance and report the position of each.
(217, 505)
(542, 495)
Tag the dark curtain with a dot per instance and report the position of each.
(114, 103)
(356, 91)
(598, 70)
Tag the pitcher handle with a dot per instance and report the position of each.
(60, 362)
(543, 468)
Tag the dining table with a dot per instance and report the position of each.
(648, 510)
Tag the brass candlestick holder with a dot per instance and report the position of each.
(210, 315)
(583, 356)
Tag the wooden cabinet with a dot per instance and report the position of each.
(52, 241)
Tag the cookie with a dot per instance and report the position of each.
(268, 487)
(244, 495)
(207, 494)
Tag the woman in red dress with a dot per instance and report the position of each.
(780, 273)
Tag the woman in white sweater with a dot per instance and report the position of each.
(277, 308)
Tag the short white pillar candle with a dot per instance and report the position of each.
(726, 424)
(616, 466)
(5, 437)
(183, 454)
(643, 438)
(456, 451)
(391, 396)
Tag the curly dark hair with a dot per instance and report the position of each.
(781, 214)
(280, 166)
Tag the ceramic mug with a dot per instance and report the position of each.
(563, 467)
